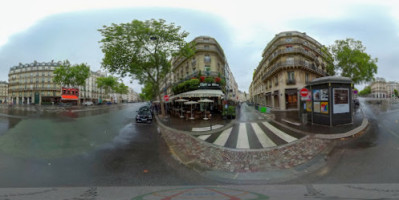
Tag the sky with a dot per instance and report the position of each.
(45, 30)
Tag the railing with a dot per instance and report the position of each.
(299, 63)
(293, 41)
(294, 50)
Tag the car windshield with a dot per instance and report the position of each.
(199, 99)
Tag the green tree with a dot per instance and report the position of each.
(71, 76)
(107, 83)
(365, 91)
(143, 50)
(121, 88)
(352, 61)
(395, 92)
(146, 93)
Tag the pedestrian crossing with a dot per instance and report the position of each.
(251, 135)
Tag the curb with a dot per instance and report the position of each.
(335, 136)
(272, 175)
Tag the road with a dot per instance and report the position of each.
(107, 148)
(369, 159)
(103, 147)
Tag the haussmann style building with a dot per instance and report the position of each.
(290, 61)
(209, 62)
(33, 83)
(3, 92)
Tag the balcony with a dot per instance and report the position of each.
(267, 54)
(292, 51)
(296, 63)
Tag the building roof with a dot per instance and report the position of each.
(331, 79)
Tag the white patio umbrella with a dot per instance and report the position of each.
(191, 103)
(205, 101)
(181, 106)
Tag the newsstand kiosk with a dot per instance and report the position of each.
(329, 101)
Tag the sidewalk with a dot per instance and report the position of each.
(290, 120)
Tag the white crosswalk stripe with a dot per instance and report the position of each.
(204, 137)
(279, 133)
(242, 141)
(221, 140)
(262, 137)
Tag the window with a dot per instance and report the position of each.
(306, 77)
(290, 77)
(206, 46)
(193, 62)
(290, 61)
(288, 39)
(207, 58)
(276, 80)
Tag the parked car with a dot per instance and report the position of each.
(88, 103)
(144, 116)
(146, 108)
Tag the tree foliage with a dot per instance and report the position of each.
(121, 88)
(108, 83)
(395, 91)
(365, 91)
(146, 93)
(352, 61)
(143, 49)
(71, 76)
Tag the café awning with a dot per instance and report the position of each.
(69, 97)
(199, 93)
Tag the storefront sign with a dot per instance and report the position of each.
(341, 100)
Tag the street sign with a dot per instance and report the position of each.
(166, 98)
(354, 91)
(304, 92)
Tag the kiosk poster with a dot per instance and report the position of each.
(324, 107)
(341, 100)
(309, 106)
(316, 95)
(324, 95)
(316, 107)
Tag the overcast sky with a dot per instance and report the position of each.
(44, 30)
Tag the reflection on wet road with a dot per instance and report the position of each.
(371, 158)
(74, 148)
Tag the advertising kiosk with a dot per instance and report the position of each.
(329, 101)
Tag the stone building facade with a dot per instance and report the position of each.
(3, 92)
(289, 61)
(33, 83)
(379, 88)
(209, 60)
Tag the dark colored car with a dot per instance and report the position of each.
(144, 116)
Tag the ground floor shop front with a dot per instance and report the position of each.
(283, 99)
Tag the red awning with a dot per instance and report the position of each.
(69, 97)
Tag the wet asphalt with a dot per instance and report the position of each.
(101, 147)
(107, 148)
(371, 158)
